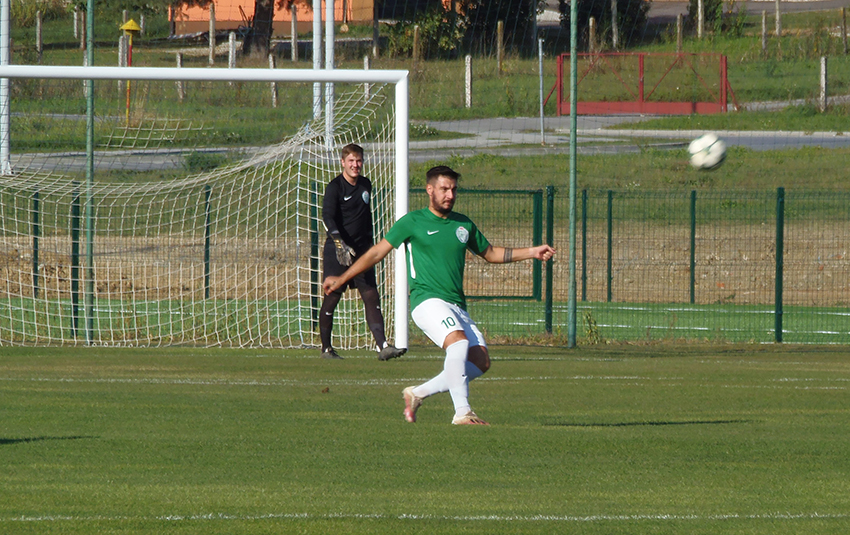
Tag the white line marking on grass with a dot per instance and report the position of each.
(633, 380)
(215, 382)
(428, 517)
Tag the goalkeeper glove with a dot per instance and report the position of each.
(344, 253)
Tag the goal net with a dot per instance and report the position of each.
(195, 217)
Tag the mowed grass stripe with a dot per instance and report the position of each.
(654, 438)
(489, 518)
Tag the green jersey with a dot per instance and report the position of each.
(436, 253)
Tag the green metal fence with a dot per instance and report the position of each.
(690, 265)
(683, 265)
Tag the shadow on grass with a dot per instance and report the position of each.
(635, 424)
(7, 441)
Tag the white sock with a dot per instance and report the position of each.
(438, 384)
(456, 379)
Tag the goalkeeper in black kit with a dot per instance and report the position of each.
(347, 215)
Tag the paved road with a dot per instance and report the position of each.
(664, 11)
(596, 135)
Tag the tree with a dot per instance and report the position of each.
(483, 17)
(258, 39)
(631, 17)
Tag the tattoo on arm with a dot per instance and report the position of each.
(509, 254)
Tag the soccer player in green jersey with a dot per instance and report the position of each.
(435, 241)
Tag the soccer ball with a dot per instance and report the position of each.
(707, 152)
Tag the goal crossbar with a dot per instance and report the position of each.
(398, 78)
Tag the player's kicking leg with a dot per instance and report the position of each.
(451, 328)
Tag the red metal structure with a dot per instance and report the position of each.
(621, 82)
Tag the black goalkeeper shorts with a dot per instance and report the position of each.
(332, 268)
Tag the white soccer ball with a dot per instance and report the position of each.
(707, 151)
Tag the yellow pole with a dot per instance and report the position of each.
(129, 28)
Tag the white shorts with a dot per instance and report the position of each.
(438, 319)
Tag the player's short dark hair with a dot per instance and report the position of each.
(440, 170)
(351, 148)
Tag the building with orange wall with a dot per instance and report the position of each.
(231, 14)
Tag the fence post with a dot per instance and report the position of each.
(39, 39)
(780, 242)
(844, 28)
(550, 237)
(823, 85)
(181, 88)
(610, 276)
(591, 35)
(207, 235)
(212, 34)
(701, 18)
(778, 21)
(231, 50)
(500, 44)
(36, 231)
(542, 101)
(367, 88)
(468, 80)
(615, 30)
(537, 239)
(273, 85)
(82, 33)
(415, 49)
(293, 39)
(680, 27)
(764, 33)
(584, 245)
(692, 261)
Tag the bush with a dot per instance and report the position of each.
(23, 12)
(712, 16)
(198, 161)
(436, 36)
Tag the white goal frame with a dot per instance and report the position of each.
(399, 79)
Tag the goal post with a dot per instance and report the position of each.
(394, 148)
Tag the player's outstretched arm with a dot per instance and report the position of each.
(375, 254)
(503, 255)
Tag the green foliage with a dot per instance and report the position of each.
(23, 12)
(732, 22)
(712, 14)
(437, 38)
(199, 161)
(591, 329)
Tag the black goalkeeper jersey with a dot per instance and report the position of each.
(348, 209)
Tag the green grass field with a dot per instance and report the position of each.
(609, 439)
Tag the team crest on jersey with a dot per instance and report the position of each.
(365, 197)
(462, 234)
